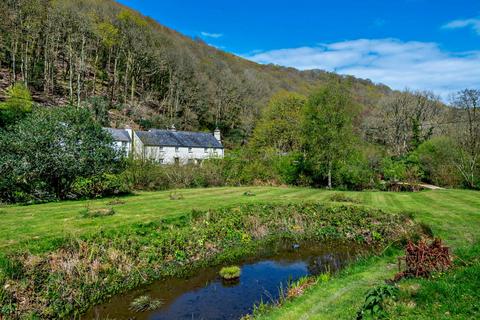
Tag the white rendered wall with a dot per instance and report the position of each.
(167, 155)
(123, 146)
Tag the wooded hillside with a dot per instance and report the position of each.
(133, 71)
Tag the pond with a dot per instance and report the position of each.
(206, 296)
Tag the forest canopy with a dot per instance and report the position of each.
(68, 52)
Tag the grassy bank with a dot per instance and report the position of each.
(40, 229)
(86, 270)
(454, 216)
(450, 295)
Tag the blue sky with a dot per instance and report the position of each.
(419, 44)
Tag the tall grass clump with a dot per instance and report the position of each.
(230, 273)
(145, 303)
(97, 212)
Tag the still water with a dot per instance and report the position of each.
(205, 296)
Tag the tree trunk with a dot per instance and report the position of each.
(70, 71)
(80, 71)
(14, 60)
(132, 89)
(25, 76)
(94, 89)
(45, 66)
(22, 62)
(114, 78)
(329, 175)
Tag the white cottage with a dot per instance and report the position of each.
(122, 139)
(170, 146)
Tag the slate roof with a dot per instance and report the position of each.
(169, 138)
(119, 134)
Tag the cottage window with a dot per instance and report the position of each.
(177, 149)
(177, 160)
(190, 150)
(161, 148)
(206, 150)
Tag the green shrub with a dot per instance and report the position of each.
(148, 175)
(100, 186)
(375, 301)
(230, 273)
(17, 104)
(436, 159)
(46, 152)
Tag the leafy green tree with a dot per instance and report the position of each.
(18, 103)
(43, 154)
(280, 125)
(354, 172)
(394, 170)
(327, 130)
(437, 159)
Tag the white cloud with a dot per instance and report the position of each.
(465, 23)
(211, 35)
(416, 65)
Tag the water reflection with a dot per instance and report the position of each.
(206, 296)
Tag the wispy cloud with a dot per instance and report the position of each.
(413, 64)
(473, 23)
(211, 35)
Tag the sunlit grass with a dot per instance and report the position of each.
(453, 214)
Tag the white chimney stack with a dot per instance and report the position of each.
(217, 135)
(130, 132)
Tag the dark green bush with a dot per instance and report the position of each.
(148, 175)
(45, 152)
(99, 186)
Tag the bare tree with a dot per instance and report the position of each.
(404, 120)
(467, 135)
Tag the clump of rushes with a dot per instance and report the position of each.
(249, 194)
(115, 201)
(230, 273)
(98, 212)
(145, 303)
(176, 196)
(341, 197)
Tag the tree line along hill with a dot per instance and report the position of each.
(130, 70)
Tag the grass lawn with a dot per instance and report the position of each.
(454, 215)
